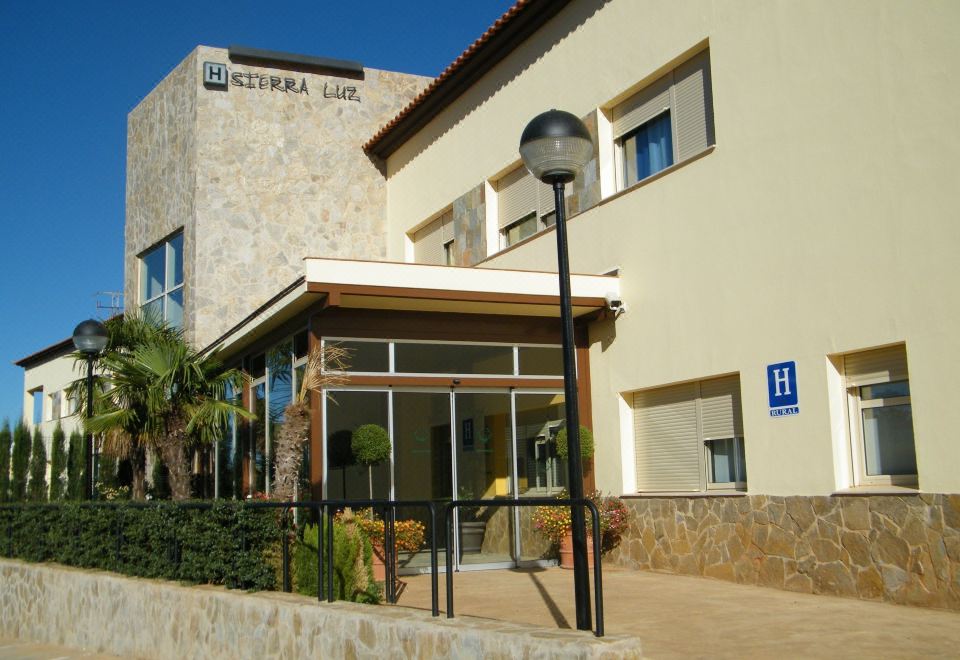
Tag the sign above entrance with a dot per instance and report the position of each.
(782, 389)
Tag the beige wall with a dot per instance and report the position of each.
(53, 375)
(259, 179)
(824, 221)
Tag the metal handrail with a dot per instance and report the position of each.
(532, 501)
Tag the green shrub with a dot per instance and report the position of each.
(352, 564)
(5, 443)
(370, 444)
(37, 491)
(58, 463)
(227, 544)
(76, 470)
(20, 462)
(586, 443)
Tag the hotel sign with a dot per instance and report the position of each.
(216, 76)
(782, 389)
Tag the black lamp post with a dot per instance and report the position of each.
(90, 337)
(555, 146)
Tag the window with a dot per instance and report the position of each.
(525, 206)
(161, 281)
(881, 419)
(689, 437)
(55, 405)
(434, 243)
(666, 122)
(37, 396)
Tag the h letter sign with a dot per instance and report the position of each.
(782, 389)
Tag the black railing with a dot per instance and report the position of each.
(533, 501)
(325, 510)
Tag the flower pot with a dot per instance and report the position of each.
(566, 551)
(471, 536)
(378, 564)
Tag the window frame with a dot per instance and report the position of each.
(620, 158)
(168, 276)
(855, 407)
(740, 468)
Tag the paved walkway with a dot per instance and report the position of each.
(689, 617)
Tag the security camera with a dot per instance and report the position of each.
(615, 303)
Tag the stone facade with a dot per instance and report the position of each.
(138, 618)
(469, 222)
(258, 178)
(901, 549)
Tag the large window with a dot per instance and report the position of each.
(434, 243)
(161, 281)
(689, 437)
(525, 206)
(668, 121)
(881, 418)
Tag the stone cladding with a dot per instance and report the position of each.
(139, 618)
(258, 177)
(901, 549)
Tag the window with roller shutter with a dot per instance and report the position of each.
(434, 242)
(689, 437)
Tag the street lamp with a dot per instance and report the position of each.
(555, 146)
(90, 337)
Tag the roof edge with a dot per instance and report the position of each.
(506, 34)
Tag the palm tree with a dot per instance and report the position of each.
(162, 395)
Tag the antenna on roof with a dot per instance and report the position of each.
(115, 305)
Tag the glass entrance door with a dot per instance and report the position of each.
(484, 442)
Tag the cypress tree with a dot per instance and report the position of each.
(5, 441)
(75, 467)
(37, 489)
(19, 462)
(58, 463)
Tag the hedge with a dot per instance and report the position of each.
(229, 543)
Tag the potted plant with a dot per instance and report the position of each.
(555, 525)
(371, 445)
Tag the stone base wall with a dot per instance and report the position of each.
(902, 549)
(136, 618)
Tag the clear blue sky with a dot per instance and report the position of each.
(74, 69)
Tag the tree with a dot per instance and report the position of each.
(19, 462)
(58, 463)
(76, 467)
(5, 442)
(165, 395)
(37, 490)
(371, 445)
(324, 368)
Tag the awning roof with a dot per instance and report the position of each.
(359, 284)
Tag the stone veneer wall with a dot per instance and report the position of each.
(258, 178)
(469, 227)
(902, 549)
(142, 618)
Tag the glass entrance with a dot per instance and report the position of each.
(486, 444)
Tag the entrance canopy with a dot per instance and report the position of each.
(356, 284)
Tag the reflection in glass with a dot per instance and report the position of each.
(540, 360)
(366, 356)
(453, 359)
(539, 470)
(422, 460)
(483, 472)
(888, 440)
(885, 390)
(152, 273)
(345, 412)
(280, 387)
(175, 270)
(175, 308)
(727, 461)
(258, 438)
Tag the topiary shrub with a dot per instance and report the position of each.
(586, 443)
(371, 445)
